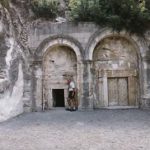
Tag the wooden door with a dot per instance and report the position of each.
(118, 91)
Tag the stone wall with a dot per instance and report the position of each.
(87, 37)
(33, 52)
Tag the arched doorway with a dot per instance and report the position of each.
(57, 58)
(116, 67)
(59, 63)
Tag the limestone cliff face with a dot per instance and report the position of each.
(12, 59)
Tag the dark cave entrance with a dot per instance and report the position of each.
(58, 97)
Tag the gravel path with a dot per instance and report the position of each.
(81, 130)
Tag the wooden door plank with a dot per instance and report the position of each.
(101, 93)
(132, 91)
(113, 91)
(123, 91)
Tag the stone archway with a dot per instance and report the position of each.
(116, 66)
(99, 75)
(61, 53)
(59, 62)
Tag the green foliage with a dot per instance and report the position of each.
(147, 4)
(131, 15)
(45, 8)
(79, 10)
(4, 3)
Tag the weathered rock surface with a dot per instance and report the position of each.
(11, 63)
(26, 47)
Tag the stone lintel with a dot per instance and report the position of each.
(117, 73)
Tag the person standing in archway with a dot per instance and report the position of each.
(71, 95)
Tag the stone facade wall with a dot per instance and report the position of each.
(129, 54)
(97, 58)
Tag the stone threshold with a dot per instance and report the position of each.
(121, 107)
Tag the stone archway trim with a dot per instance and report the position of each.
(106, 33)
(99, 36)
(59, 40)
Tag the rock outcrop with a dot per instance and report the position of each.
(13, 53)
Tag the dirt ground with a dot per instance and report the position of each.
(80, 130)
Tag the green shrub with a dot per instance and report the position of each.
(147, 4)
(79, 10)
(131, 15)
(45, 8)
(5, 3)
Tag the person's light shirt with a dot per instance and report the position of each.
(71, 86)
